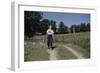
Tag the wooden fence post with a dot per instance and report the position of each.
(74, 36)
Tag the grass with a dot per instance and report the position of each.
(36, 52)
(64, 53)
(82, 39)
(80, 50)
(82, 44)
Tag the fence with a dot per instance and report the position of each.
(58, 38)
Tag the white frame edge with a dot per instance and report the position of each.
(14, 36)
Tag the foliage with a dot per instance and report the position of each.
(83, 27)
(45, 24)
(36, 24)
(62, 28)
(32, 21)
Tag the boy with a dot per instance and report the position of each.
(50, 34)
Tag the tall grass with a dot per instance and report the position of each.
(82, 39)
(81, 43)
(64, 53)
(35, 52)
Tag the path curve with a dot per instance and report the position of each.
(53, 55)
(74, 52)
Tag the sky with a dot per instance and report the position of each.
(68, 18)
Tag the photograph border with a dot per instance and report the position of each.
(16, 61)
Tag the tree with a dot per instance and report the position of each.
(44, 25)
(53, 24)
(61, 27)
(88, 27)
(71, 28)
(83, 27)
(66, 29)
(77, 28)
(32, 22)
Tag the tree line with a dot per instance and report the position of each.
(35, 24)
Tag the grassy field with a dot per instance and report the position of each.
(80, 44)
(80, 50)
(64, 53)
(82, 39)
(34, 51)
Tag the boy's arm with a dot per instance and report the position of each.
(53, 36)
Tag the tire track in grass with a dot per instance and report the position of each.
(74, 52)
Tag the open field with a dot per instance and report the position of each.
(82, 39)
(35, 51)
(81, 43)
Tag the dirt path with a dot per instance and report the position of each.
(74, 52)
(52, 53)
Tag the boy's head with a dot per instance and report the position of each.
(50, 27)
